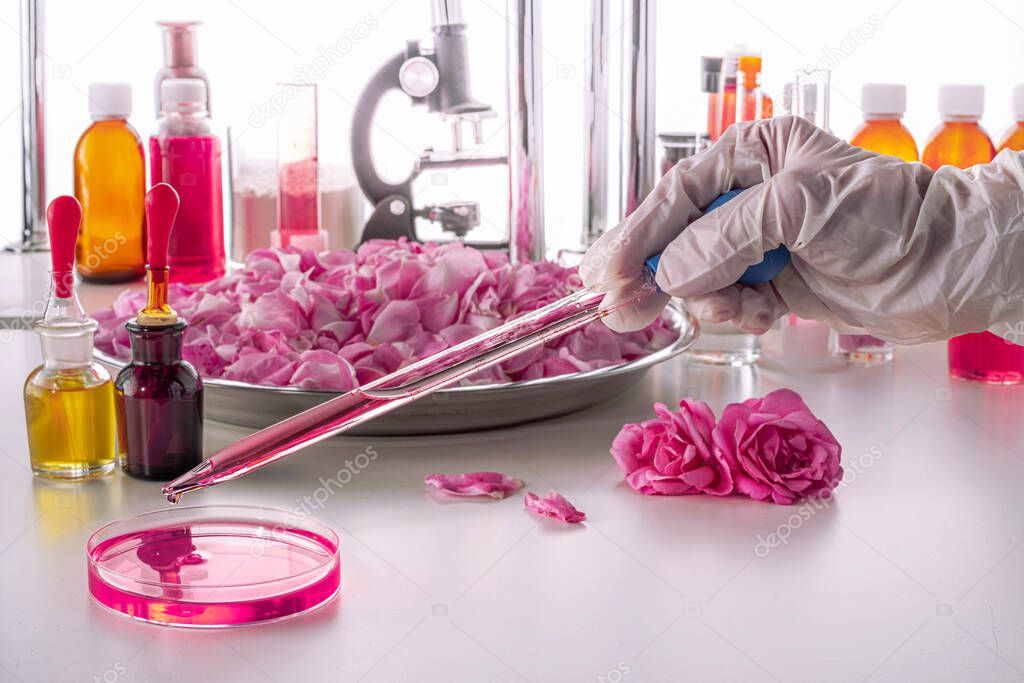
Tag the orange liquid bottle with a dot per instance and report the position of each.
(882, 131)
(110, 184)
(756, 104)
(960, 141)
(1013, 137)
(722, 105)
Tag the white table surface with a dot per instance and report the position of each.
(914, 573)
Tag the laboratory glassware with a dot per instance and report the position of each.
(213, 566)
(186, 154)
(807, 344)
(711, 86)
(159, 395)
(718, 343)
(298, 197)
(110, 183)
(69, 399)
(754, 103)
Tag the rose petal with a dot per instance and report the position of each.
(493, 484)
(554, 505)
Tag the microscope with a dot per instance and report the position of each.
(436, 77)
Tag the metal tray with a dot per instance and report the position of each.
(455, 409)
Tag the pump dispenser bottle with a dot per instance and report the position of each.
(181, 57)
(159, 395)
(69, 399)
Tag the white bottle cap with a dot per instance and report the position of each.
(731, 63)
(1017, 102)
(962, 100)
(110, 100)
(883, 98)
(183, 94)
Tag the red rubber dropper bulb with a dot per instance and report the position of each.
(63, 217)
(161, 209)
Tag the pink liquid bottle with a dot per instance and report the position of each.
(185, 154)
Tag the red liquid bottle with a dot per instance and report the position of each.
(961, 142)
(159, 395)
(185, 154)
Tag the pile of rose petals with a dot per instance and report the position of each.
(338, 319)
(770, 448)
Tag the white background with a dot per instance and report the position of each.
(246, 47)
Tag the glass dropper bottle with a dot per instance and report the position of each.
(159, 395)
(69, 399)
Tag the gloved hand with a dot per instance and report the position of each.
(907, 253)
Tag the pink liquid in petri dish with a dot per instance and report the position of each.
(192, 166)
(986, 357)
(213, 566)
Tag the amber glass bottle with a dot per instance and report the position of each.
(959, 140)
(110, 183)
(1013, 137)
(882, 130)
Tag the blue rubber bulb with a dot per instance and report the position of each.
(772, 264)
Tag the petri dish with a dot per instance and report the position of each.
(214, 566)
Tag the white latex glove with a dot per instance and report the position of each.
(907, 253)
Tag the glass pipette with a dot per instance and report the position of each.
(426, 376)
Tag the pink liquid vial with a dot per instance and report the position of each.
(186, 155)
(986, 357)
(213, 566)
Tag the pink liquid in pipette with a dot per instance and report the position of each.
(405, 385)
(986, 357)
(214, 573)
(192, 166)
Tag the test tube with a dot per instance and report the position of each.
(813, 92)
(298, 201)
(807, 344)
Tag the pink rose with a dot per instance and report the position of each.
(672, 454)
(777, 449)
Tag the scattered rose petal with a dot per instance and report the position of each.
(381, 307)
(553, 505)
(777, 449)
(493, 484)
(673, 454)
